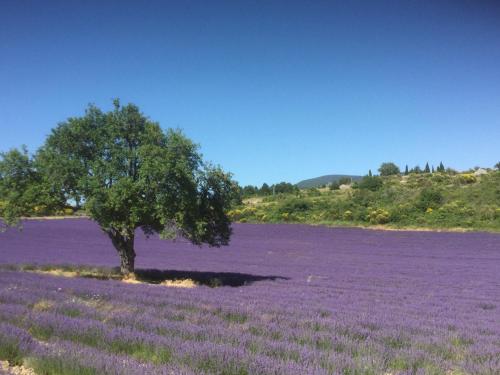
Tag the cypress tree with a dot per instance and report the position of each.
(406, 170)
(427, 169)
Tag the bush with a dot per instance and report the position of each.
(372, 183)
(378, 216)
(429, 198)
(313, 192)
(295, 205)
(347, 215)
(334, 185)
(467, 178)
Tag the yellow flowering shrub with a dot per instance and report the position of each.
(378, 216)
(467, 178)
(347, 215)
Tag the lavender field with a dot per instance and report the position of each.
(291, 299)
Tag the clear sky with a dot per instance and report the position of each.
(271, 90)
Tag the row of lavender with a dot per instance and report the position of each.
(350, 301)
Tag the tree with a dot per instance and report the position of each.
(285, 188)
(427, 169)
(432, 169)
(23, 189)
(406, 170)
(388, 169)
(370, 173)
(249, 190)
(497, 166)
(265, 189)
(130, 174)
(416, 170)
(441, 167)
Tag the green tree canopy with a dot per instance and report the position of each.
(388, 169)
(23, 189)
(265, 189)
(284, 188)
(128, 173)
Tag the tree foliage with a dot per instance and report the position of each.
(388, 169)
(128, 173)
(23, 189)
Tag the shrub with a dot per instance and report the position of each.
(378, 216)
(295, 205)
(313, 192)
(347, 215)
(334, 185)
(234, 215)
(467, 178)
(429, 198)
(372, 183)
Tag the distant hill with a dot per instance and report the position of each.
(322, 180)
(440, 200)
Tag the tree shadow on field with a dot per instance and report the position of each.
(211, 279)
(147, 276)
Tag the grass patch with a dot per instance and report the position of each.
(396, 342)
(58, 366)
(231, 316)
(10, 351)
(140, 351)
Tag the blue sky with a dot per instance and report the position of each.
(271, 90)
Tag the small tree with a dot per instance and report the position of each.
(388, 169)
(284, 188)
(130, 174)
(441, 167)
(427, 169)
(497, 166)
(265, 189)
(23, 189)
(249, 190)
(370, 173)
(406, 170)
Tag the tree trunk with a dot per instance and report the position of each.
(124, 245)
